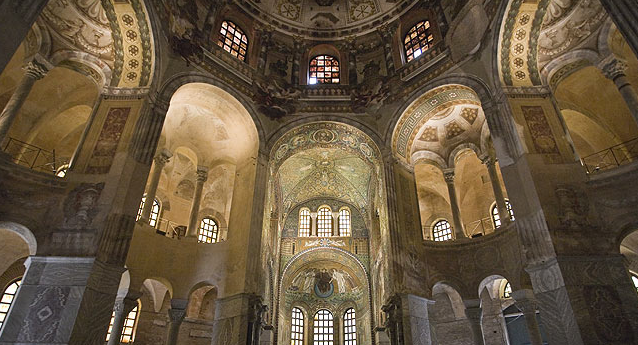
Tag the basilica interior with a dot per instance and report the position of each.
(319, 172)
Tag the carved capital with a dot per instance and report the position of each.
(488, 160)
(613, 67)
(202, 174)
(163, 157)
(176, 315)
(35, 70)
(448, 175)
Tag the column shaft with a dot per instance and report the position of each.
(474, 312)
(118, 323)
(624, 13)
(202, 176)
(156, 173)
(501, 206)
(454, 204)
(33, 72)
(525, 303)
(16, 18)
(176, 315)
(614, 69)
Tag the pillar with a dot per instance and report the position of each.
(474, 313)
(625, 15)
(386, 33)
(160, 160)
(501, 206)
(121, 309)
(313, 223)
(456, 211)
(33, 71)
(615, 69)
(202, 176)
(526, 303)
(296, 60)
(16, 18)
(176, 316)
(266, 36)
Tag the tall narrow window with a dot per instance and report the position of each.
(208, 231)
(324, 69)
(324, 222)
(323, 328)
(344, 222)
(349, 328)
(233, 40)
(418, 40)
(635, 280)
(155, 211)
(7, 298)
(128, 330)
(442, 231)
(507, 290)
(496, 218)
(296, 334)
(304, 222)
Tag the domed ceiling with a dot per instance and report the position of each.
(325, 172)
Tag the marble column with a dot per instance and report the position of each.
(501, 206)
(474, 313)
(16, 18)
(160, 161)
(313, 223)
(454, 204)
(526, 303)
(202, 176)
(615, 70)
(33, 71)
(175, 315)
(624, 13)
(121, 309)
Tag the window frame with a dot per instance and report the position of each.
(223, 32)
(214, 231)
(496, 217)
(305, 222)
(125, 326)
(154, 217)
(324, 219)
(350, 327)
(427, 42)
(506, 290)
(333, 81)
(435, 238)
(297, 337)
(345, 213)
(17, 282)
(325, 325)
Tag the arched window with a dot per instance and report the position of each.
(208, 231)
(634, 278)
(304, 222)
(418, 40)
(233, 40)
(7, 298)
(296, 334)
(344, 222)
(323, 328)
(130, 325)
(324, 69)
(507, 290)
(324, 222)
(349, 328)
(496, 218)
(442, 231)
(155, 211)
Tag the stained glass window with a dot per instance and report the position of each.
(349, 328)
(128, 329)
(7, 298)
(233, 40)
(296, 334)
(304, 222)
(208, 231)
(324, 69)
(344, 222)
(442, 231)
(324, 222)
(155, 211)
(497, 218)
(323, 328)
(418, 40)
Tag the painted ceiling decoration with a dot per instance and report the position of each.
(116, 33)
(434, 105)
(536, 32)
